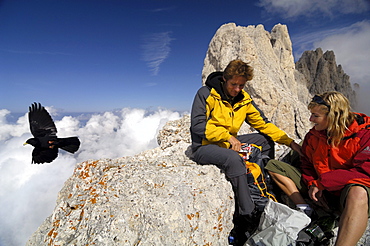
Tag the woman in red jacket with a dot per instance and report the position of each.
(336, 159)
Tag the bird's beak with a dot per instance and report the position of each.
(25, 144)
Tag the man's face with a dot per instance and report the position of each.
(234, 85)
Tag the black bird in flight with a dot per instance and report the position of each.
(45, 138)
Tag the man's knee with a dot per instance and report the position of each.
(234, 166)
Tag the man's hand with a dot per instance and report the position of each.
(296, 147)
(235, 143)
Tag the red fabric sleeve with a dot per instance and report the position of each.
(359, 174)
(309, 174)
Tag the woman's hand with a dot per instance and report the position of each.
(316, 195)
(235, 144)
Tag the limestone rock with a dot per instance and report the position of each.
(322, 74)
(158, 197)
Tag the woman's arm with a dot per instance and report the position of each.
(359, 173)
(309, 174)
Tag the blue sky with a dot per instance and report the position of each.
(101, 55)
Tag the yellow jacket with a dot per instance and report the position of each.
(214, 119)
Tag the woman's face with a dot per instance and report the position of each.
(234, 85)
(319, 119)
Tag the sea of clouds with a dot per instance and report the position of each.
(28, 191)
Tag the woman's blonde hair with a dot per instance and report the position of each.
(337, 108)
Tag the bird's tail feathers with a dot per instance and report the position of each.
(71, 144)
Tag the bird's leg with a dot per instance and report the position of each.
(51, 146)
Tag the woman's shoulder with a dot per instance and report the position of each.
(362, 118)
(361, 121)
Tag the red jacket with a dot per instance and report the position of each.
(331, 168)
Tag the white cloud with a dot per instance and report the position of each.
(305, 40)
(162, 9)
(156, 48)
(7, 130)
(150, 84)
(351, 49)
(294, 8)
(28, 192)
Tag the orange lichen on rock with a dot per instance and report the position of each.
(158, 185)
(81, 214)
(93, 200)
(85, 173)
(51, 232)
(219, 216)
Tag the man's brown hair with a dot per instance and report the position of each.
(238, 68)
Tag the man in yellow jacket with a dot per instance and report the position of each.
(219, 109)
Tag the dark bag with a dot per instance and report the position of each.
(257, 182)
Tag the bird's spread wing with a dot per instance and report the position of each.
(41, 155)
(41, 123)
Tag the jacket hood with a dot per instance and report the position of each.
(214, 80)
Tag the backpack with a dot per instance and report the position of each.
(256, 175)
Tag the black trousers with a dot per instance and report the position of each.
(234, 167)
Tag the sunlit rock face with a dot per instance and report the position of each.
(322, 73)
(160, 196)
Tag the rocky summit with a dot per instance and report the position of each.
(160, 196)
